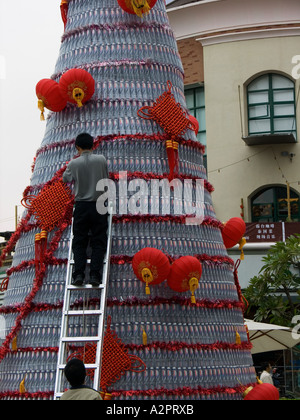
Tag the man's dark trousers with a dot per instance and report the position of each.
(86, 220)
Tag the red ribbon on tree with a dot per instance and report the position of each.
(64, 6)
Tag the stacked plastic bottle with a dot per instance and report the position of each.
(131, 60)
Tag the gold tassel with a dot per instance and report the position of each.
(147, 288)
(147, 278)
(105, 396)
(142, 9)
(242, 243)
(41, 107)
(246, 392)
(78, 95)
(238, 340)
(194, 284)
(145, 338)
(14, 344)
(22, 388)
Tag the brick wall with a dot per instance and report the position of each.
(191, 53)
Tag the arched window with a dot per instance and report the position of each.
(271, 205)
(272, 107)
(195, 100)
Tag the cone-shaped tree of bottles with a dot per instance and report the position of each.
(189, 347)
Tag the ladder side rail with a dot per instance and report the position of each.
(64, 323)
(101, 326)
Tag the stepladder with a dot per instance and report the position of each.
(83, 321)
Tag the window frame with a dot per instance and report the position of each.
(195, 106)
(276, 217)
(271, 106)
(193, 112)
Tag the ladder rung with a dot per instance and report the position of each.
(80, 339)
(72, 262)
(85, 286)
(82, 312)
(87, 366)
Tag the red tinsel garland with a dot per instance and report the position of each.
(36, 350)
(208, 221)
(200, 303)
(187, 391)
(35, 307)
(116, 27)
(178, 345)
(150, 176)
(49, 260)
(27, 395)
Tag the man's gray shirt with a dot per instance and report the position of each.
(86, 171)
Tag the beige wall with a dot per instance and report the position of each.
(226, 67)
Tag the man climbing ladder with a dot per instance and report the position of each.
(86, 170)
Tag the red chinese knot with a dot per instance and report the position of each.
(50, 205)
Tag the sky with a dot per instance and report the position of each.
(30, 37)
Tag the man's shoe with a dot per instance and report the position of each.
(95, 280)
(77, 280)
(96, 277)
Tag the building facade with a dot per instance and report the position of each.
(243, 59)
(6, 265)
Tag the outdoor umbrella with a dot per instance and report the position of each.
(269, 337)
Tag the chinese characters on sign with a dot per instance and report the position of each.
(270, 231)
(264, 232)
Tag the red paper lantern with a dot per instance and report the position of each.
(233, 231)
(185, 275)
(77, 86)
(195, 123)
(49, 95)
(151, 266)
(138, 7)
(263, 392)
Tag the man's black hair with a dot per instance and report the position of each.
(85, 141)
(265, 365)
(75, 372)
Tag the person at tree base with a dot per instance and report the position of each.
(86, 171)
(266, 376)
(75, 373)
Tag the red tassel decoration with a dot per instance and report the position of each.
(171, 158)
(175, 147)
(40, 250)
(43, 246)
(64, 6)
(37, 253)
